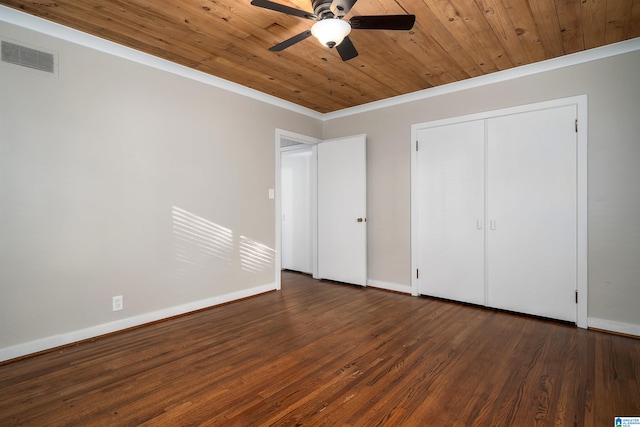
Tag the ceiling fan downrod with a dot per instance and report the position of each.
(322, 9)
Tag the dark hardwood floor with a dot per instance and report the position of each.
(320, 353)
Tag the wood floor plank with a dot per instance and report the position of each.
(326, 354)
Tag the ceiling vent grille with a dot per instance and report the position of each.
(27, 57)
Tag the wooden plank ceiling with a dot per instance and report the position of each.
(452, 40)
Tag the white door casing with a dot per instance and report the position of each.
(283, 140)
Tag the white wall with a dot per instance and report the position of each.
(117, 178)
(613, 173)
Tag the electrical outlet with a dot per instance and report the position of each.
(117, 303)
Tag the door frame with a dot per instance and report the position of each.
(281, 137)
(580, 102)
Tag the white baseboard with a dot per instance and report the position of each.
(406, 289)
(47, 343)
(613, 326)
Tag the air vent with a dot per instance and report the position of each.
(27, 57)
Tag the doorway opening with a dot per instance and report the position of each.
(296, 204)
(331, 182)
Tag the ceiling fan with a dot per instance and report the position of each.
(330, 29)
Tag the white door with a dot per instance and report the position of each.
(451, 211)
(531, 236)
(342, 210)
(296, 201)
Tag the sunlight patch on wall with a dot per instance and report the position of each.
(204, 249)
(210, 238)
(255, 256)
(199, 243)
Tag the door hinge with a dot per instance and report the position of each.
(417, 273)
(576, 297)
(416, 145)
(576, 125)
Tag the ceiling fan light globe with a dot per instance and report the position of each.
(330, 32)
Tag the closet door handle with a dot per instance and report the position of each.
(492, 224)
(479, 224)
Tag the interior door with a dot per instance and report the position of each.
(532, 211)
(342, 210)
(451, 211)
(296, 202)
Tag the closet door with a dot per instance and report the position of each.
(531, 234)
(451, 212)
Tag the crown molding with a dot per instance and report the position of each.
(52, 29)
(499, 76)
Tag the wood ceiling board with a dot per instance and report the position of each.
(570, 25)
(618, 13)
(456, 26)
(428, 61)
(546, 18)
(473, 16)
(525, 27)
(452, 40)
(500, 21)
(594, 16)
(437, 39)
(634, 22)
(374, 62)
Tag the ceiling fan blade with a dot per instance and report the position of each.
(289, 42)
(383, 22)
(341, 7)
(282, 8)
(346, 49)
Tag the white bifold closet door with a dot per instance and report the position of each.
(451, 202)
(532, 213)
(497, 212)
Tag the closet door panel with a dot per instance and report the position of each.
(531, 234)
(451, 211)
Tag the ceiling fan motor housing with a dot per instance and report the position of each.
(322, 9)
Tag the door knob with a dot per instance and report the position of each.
(362, 219)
